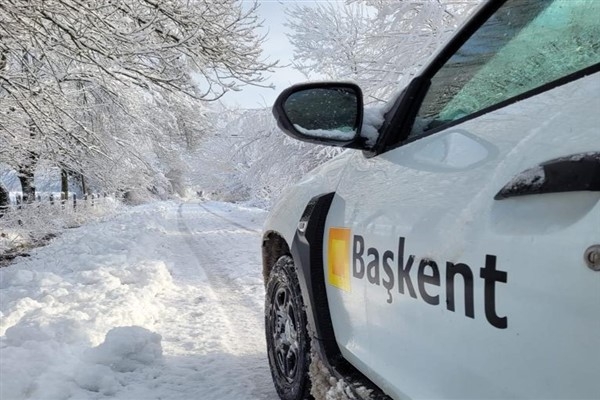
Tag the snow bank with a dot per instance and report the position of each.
(71, 314)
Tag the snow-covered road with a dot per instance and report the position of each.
(165, 301)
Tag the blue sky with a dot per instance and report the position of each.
(276, 47)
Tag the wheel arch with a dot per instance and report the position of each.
(273, 246)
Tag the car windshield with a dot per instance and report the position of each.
(524, 45)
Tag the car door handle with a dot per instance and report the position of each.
(574, 173)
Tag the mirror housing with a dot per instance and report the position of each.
(326, 113)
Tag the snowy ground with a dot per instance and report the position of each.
(163, 301)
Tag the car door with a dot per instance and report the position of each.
(464, 242)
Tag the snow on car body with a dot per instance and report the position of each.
(457, 257)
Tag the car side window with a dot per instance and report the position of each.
(523, 46)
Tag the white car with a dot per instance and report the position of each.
(458, 255)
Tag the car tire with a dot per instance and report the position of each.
(288, 343)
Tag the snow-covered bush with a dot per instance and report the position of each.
(30, 225)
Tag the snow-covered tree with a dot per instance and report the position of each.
(377, 43)
(77, 78)
(250, 159)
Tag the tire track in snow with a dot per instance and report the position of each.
(241, 315)
(228, 220)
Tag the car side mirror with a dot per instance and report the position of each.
(328, 113)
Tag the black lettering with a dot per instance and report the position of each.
(491, 275)
(404, 270)
(433, 279)
(373, 267)
(460, 269)
(358, 265)
(387, 269)
(383, 274)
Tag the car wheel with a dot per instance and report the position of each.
(288, 344)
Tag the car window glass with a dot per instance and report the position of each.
(524, 45)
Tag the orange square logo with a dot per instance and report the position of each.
(338, 258)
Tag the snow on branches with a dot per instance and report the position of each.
(92, 83)
(377, 43)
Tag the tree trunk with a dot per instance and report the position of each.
(26, 169)
(4, 199)
(82, 182)
(64, 183)
(27, 183)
